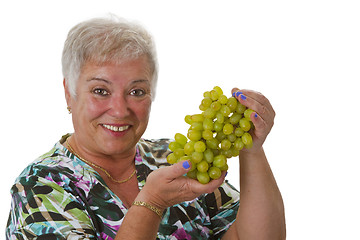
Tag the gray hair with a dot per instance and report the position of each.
(102, 40)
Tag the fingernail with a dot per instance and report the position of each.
(186, 164)
(255, 115)
(243, 97)
(238, 93)
(226, 174)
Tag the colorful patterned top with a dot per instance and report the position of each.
(60, 197)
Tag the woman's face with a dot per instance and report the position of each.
(112, 107)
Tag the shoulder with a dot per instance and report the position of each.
(57, 169)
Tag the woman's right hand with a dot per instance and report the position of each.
(168, 186)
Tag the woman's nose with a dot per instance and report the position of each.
(119, 106)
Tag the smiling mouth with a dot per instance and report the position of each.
(116, 128)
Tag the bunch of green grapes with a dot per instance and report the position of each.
(219, 132)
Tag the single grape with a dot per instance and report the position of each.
(228, 128)
(181, 139)
(171, 158)
(202, 107)
(209, 113)
(239, 132)
(227, 153)
(218, 127)
(223, 99)
(206, 102)
(248, 113)
(208, 124)
(225, 110)
(199, 146)
(247, 139)
(189, 148)
(203, 177)
(197, 157)
(215, 106)
(219, 161)
(234, 151)
(214, 95)
(225, 167)
(212, 143)
(240, 108)
(192, 174)
(174, 145)
(179, 152)
(214, 172)
(207, 94)
(197, 126)
(194, 135)
(225, 144)
(239, 144)
(220, 117)
(218, 90)
(245, 124)
(220, 136)
(209, 155)
(188, 119)
(235, 118)
(207, 134)
(197, 118)
(202, 166)
(232, 137)
(232, 103)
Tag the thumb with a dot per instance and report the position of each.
(178, 169)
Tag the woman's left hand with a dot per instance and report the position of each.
(262, 118)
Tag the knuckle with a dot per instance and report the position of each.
(262, 110)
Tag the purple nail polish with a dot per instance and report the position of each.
(243, 97)
(186, 164)
(237, 94)
(255, 115)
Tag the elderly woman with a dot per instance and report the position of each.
(105, 182)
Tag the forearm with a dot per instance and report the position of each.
(174, 188)
(261, 211)
(139, 222)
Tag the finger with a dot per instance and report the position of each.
(177, 170)
(262, 128)
(259, 98)
(254, 94)
(257, 102)
(262, 121)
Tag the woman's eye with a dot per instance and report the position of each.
(137, 92)
(100, 91)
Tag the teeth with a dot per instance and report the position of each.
(116, 129)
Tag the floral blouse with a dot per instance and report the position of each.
(58, 196)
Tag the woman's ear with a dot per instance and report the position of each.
(67, 94)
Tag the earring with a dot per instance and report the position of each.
(69, 109)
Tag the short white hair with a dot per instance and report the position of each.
(102, 40)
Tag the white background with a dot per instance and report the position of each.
(303, 55)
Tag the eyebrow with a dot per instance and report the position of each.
(141, 81)
(109, 82)
(98, 79)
